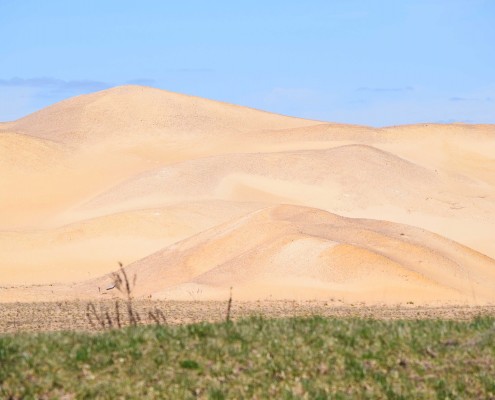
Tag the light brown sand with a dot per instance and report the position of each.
(200, 196)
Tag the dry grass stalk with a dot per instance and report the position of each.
(106, 319)
(117, 314)
(92, 313)
(229, 307)
(122, 284)
(109, 319)
(157, 316)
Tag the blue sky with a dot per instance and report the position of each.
(381, 62)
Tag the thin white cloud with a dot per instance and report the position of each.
(293, 95)
(19, 96)
(457, 98)
(142, 81)
(385, 89)
(55, 84)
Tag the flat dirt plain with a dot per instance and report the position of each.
(78, 315)
(195, 197)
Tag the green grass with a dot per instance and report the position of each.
(314, 358)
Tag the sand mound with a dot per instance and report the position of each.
(135, 110)
(347, 172)
(120, 174)
(351, 180)
(94, 246)
(290, 251)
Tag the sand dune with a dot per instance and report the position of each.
(352, 180)
(179, 187)
(94, 246)
(346, 171)
(298, 252)
(133, 111)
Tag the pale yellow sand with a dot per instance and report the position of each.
(94, 246)
(121, 174)
(291, 251)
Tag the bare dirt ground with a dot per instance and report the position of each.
(73, 315)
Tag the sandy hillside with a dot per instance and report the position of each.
(197, 196)
(292, 251)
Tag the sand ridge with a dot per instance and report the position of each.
(125, 111)
(276, 251)
(198, 196)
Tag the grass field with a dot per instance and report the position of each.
(290, 358)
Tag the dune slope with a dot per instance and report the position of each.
(291, 251)
(351, 180)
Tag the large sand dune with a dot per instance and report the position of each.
(352, 180)
(129, 113)
(198, 196)
(288, 251)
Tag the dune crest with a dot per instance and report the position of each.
(134, 111)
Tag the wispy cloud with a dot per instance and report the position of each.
(457, 98)
(358, 101)
(188, 70)
(385, 89)
(20, 96)
(453, 120)
(55, 84)
(142, 81)
(289, 94)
